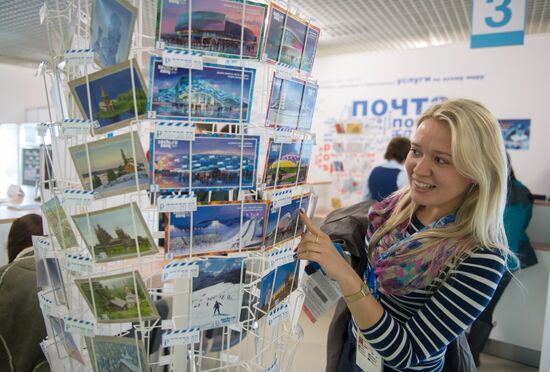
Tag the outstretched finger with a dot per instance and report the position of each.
(309, 224)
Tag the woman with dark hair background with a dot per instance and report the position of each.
(390, 176)
(21, 323)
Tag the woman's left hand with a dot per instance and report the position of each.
(317, 246)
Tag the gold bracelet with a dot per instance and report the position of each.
(354, 297)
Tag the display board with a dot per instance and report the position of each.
(179, 196)
(30, 166)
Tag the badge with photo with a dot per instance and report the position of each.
(218, 93)
(113, 167)
(112, 28)
(58, 223)
(277, 285)
(109, 353)
(117, 299)
(287, 164)
(215, 27)
(111, 96)
(217, 228)
(217, 291)
(115, 233)
(284, 223)
(218, 162)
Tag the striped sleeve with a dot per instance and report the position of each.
(450, 310)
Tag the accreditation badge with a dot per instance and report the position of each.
(367, 359)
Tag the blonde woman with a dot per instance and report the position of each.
(437, 248)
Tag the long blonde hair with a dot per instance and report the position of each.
(478, 153)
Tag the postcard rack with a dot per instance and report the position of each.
(171, 204)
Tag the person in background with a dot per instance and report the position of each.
(437, 248)
(21, 323)
(517, 215)
(391, 176)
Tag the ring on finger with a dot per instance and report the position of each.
(316, 238)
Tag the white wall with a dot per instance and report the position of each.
(20, 90)
(514, 85)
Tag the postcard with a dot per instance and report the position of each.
(307, 106)
(217, 228)
(294, 37)
(111, 96)
(310, 48)
(58, 223)
(277, 285)
(112, 27)
(216, 292)
(216, 162)
(113, 167)
(516, 133)
(274, 34)
(287, 164)
(114, 233)
(116, 298)
(284, 224)
(354, 128)
(285, 102)
(290, 40)
(65, 338)
(305, 160)
(56, 280)
(217, 93)
(217, 27)
(109, 353)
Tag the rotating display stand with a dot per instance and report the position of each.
(172, 203)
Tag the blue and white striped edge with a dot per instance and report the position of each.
(182, 52)
(78, 258)
(175, 124)
(79, 51)
(78, 322)
(182, 331)
(176, 197)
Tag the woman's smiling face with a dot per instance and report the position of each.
(436, 185)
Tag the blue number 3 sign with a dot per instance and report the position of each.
(498, 23)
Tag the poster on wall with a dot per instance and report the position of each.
(215, 27)
(516, 133)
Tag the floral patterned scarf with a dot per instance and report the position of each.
(397, 271)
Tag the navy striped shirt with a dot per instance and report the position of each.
(415, 329)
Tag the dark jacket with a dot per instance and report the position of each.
(21, 323)
(517, 215)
